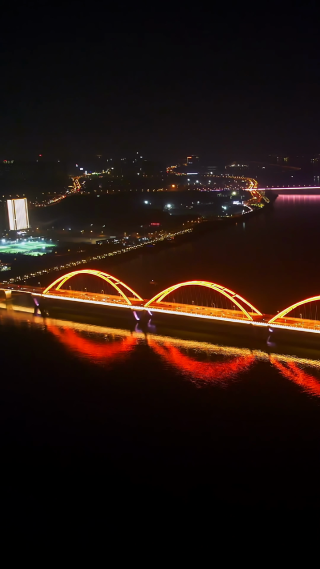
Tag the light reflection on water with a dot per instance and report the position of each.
(100, 349)
(200, 372)
(292, 369)
(201, 363)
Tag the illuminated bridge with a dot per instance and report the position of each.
(201, 300)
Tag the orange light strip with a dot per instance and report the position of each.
(205, 317)
(101, 303)
(286, 310)
(104, 276)
(226, 292)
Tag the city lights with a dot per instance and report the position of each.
(100, 257)
(31, 247)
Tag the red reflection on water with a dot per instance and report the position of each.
(98, 351)
(290, 370)
(202, 373)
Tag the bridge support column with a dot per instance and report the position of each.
(37, 307)
(144, 316)
(8, 299)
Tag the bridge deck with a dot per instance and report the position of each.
(95, 297)
(312, 325)
(75, 295)
(209, 311)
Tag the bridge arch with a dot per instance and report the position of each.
(292, 307)
(240, 302)
(113, 281)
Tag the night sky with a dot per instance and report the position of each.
(235, 87)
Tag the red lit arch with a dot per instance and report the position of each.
(113, 281)
(290, 370)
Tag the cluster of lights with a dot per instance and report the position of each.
(256, 197)
(30, 246)
(75, 188)
(98, 257)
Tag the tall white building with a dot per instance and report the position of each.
(18, 214)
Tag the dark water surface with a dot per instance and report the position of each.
(108, 412)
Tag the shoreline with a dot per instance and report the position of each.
(116, 257)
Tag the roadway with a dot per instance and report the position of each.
(54, 200)
(93, 297)
(74, 295)
(210, 311)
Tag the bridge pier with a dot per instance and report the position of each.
(38, 308)
(8, 299)
(141, 316)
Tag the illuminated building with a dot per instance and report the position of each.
(18, 214)
(192, 160)
(4, 267)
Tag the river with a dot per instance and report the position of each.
(124, 416)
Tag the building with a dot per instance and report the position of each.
(5, 267)
(193, 160)
(18, 214)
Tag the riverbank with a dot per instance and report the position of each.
(152, 246)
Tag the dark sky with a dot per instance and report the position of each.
(237, 86)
